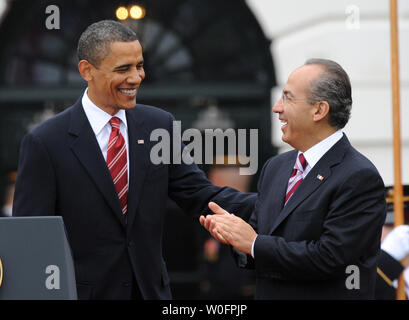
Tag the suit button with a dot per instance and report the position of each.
(131, 244)
(126, 284)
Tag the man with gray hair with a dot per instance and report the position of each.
(91, 165)
(316, 229)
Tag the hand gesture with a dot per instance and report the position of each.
(229, 228)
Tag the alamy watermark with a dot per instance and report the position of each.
(353, 17)
(170, 147)
(352, 281)
(52, 282)
(53, 20)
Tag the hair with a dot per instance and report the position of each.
(333, 86)
(94, 42)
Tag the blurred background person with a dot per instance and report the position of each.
(6, 210)
(222, 279)
(394, 255)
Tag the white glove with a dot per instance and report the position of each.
(396, 243)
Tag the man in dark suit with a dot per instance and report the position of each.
(315, 232)
(91, 165)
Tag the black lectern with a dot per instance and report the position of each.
(36, 261)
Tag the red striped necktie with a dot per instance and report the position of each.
(296, 176)
(117, 163)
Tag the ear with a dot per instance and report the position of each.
(321, 110)
(85, 69)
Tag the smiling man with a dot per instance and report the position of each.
(91, 165)
(114, 80)
(320, 207)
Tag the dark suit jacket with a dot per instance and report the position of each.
(304, 248)
(62, 172)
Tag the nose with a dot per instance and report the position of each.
(136, 77)
(278, 106)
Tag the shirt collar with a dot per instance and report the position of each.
(97, 117)
(315, 153)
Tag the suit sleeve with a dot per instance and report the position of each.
(35, 192)
(192, 191)
(243, 260)
(352, 227)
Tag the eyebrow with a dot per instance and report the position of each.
(288, 93)
(124, 66)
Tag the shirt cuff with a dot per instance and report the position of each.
(252, 247)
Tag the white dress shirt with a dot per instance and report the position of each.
(313, 155)
(99, 121)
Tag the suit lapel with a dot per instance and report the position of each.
(277, 192)
(312, 182)
(139, 161)
(88, 152)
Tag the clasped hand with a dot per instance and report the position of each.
(229, 229)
